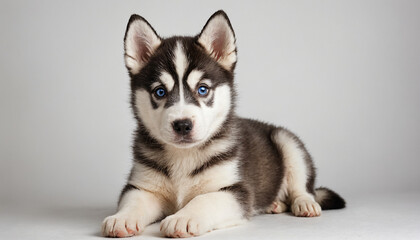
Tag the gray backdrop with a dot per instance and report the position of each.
(343, 75)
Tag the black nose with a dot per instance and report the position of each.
(182, 127)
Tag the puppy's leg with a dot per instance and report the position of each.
(206, 212)
(136, 210)
(297, 187)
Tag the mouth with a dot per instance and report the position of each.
(185, 142)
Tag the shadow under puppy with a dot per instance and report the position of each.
(197, 165)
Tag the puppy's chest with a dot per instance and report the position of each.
(182, 182)
(182, 185)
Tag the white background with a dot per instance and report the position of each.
(343, 75)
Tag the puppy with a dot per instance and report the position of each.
(197, 165)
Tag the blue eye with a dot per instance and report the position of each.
(160, 92)
(203, 90)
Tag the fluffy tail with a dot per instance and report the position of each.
(328, 199)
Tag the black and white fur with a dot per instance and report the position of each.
(197, 165)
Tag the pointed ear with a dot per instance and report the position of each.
(218, 38)
(140, 42)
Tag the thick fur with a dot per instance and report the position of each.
(219, 169)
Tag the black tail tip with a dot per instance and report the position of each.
(328, 199)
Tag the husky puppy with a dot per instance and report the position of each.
(197, 165)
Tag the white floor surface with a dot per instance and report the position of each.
(366, 217)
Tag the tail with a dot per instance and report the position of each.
(328, 199)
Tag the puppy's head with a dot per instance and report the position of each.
(181, 86)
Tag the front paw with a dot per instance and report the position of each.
(179, 226)
(305, 207)
(121, 225)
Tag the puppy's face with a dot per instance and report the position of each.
(181, 86)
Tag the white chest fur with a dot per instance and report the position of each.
(180, 186)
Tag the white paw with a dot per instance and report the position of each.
(183, 226)
(121, 225)
(277, 207)
(305, 207)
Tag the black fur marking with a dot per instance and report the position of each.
(144, 137)
(189, 96)
(261, 163)
(215, 160)
(172, 97)
(209, 102)
(128, 187)
(144, 142)
(140, 158)
(242, 194)
(332, 200)
(152, 101)
(153, 165)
